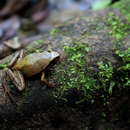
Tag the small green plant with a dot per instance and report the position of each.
(125, 68)
(105, 78)
(104, 115)
(73, 74)
(124, 7)
(53, 31)
(105, 75)
(3, 66)
(125, 55)
(117, 27)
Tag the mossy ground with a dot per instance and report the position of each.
(124, 7)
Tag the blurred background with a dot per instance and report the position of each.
(26, 18)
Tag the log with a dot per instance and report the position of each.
(89, 30)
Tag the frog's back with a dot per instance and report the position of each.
(34, 63)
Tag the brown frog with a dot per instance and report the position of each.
(28, 65)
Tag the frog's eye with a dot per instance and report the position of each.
(49, 50)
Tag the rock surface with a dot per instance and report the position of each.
(90, 29)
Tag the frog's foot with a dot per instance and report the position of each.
(44, 80)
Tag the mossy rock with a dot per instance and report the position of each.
(90, 47)
(123, 6)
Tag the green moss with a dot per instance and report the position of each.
(124, 7)
(3, 66)
(32, 48)
(105, 76)
(117, 27)
(74, 76)
(124, 69)
(54, 31)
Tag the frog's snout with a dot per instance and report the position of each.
(54, 54)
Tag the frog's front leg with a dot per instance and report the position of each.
(45, 81)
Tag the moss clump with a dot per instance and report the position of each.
(55, 31)
(76, 75)
(73, 74)
(124, 7)
(3, 66)
(105, 76)
(117, 27)
(124, 69)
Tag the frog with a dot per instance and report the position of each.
(28, 66)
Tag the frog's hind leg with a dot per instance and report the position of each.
(45, 81)
(15, 75)
(6, 87)
(17, 79)
(17, 58)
